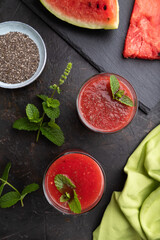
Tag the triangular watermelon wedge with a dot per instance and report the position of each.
(143, 37)
(94, 14)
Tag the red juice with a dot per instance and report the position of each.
(99, 111)
(85, 173)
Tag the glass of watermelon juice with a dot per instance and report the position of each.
(97, 109)
(85, 173)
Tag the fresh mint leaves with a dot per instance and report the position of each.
(11, 198)
(114, 83)
(74, 203)
(119, 94)
(61, 180)
(25, 124)
(34, 122)
(65, 197)
(32, 113)
(126, 100)
(5, 176)
(53, 103)
(69, 195)
(51, 112)
(52, 133)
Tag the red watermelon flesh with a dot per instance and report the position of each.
(143, 37)
(93, 14)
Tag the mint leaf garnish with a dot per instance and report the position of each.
(52, 124)
(114, 83)
(119, 94)
(61, 180)
(51, 112)
(74, 204)
(25, 124)
(6, 171)
(54, 103)
(29, 188)
(62, 183)
(9, 199)
(43, 97)
(65, 197)
(32, 112)
(12, 197)
(126, 100)
(5, 176)
(55, 135)
(35, 122)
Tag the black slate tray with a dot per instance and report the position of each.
(103, 49)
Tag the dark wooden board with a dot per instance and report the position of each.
(103, 49)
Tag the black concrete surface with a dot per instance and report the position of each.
(37, 220)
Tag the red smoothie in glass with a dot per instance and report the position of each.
(85, 173)
(98, 110)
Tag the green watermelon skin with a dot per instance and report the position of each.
(102, 14)
(143, 37)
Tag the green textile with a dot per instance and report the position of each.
(134, 213)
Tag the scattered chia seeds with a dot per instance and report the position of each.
(19, 57)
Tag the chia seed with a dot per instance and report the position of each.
(19, 57)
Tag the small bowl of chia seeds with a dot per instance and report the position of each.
(22, 54)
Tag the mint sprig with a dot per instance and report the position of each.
(65, 197)
(118, 94)
(34, 122)
(25, 124)
(61, 180)
(52, 133)
(114, 83)
(126, 100)
(69, 195)
(74, 203)
(11, 198)
(5, 176)
(32, 113)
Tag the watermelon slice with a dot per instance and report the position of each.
(94, 14)
(143, 37)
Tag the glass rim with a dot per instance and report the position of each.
(67, 211)
(133, 92)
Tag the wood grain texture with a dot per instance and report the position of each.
(38, 220)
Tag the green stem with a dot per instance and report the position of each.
(39, 130)
(4, 181)
(40, 127)
(9, 185)
(22, 204)
(54, 91)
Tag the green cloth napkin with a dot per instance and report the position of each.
(134, 213)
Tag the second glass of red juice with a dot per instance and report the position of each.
(97, 109)
(85, 173)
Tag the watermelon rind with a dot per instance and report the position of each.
(80, 23)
